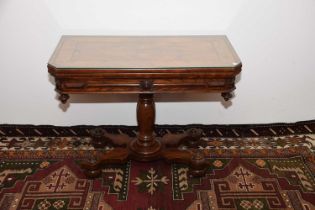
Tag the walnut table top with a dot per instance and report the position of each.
(144, 52)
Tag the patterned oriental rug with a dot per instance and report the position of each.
(253, 167)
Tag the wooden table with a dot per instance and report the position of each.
(145, 65)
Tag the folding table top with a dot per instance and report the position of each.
(144, 52)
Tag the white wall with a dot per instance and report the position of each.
(275, 40)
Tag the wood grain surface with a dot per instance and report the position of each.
(144, 52)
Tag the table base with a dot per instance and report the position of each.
(146, 147)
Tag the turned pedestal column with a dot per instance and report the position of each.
(145, 146)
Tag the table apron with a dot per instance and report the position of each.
(114, 85)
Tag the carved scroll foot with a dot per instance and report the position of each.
(98, 138)
(194, 138)
(193, 157)
(196, 160)
(198, 164)
(92, 169)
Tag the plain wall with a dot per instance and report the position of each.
(274, 39)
